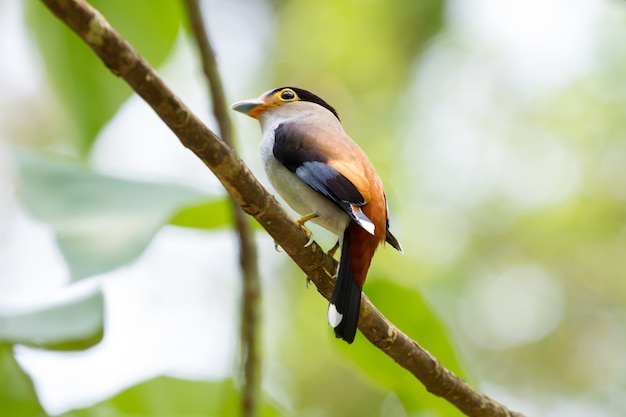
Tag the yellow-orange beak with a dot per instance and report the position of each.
(252, 107)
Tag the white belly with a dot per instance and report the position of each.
(300, 197)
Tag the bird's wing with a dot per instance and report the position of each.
(325, 162)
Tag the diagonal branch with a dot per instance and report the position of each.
(248, 260)
(126, 63)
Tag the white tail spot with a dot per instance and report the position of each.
(334, 317)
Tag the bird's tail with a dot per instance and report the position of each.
(357, 249)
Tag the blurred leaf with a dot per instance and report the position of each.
(211, 215)
(372, 51)
(101, 222)
(407, 310)
(164, 396)
(150, 26)
(168, 396)
(17, 394)
(90, 93)
(73, 324)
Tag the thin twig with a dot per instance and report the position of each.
(124, 62)
(248, 260)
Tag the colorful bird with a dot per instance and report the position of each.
(325, 177)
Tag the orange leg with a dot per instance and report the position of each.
(301, 221)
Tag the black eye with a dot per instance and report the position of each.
(288, 95)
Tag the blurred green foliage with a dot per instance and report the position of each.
(212, 215)
(518, 293)
(17, 394)
(101, 222)
(79, 77)
(184, 398)
(68, 325)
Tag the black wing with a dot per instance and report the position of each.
(290, 148)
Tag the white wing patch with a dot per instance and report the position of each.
(362, 220)
(334, 317)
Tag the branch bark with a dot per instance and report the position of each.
(126, 63)
(248, 260)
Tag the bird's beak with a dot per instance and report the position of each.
(250, 107)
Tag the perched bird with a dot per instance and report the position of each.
(325, 177)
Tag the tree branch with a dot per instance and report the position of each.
(126, 63)
(248, 260)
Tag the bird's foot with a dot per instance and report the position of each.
(301, 221)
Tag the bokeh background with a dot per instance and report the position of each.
(498, 127)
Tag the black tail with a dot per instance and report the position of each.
(346, 298)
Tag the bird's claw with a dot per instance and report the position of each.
(301, 221)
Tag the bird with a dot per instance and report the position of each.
(324, 176)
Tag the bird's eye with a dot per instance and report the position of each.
(287, 95)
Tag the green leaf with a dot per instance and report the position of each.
(212, 215)
(101, 222)
(88, 91)
(183, 398)
(150, 26)
(408, 311)
(17, 394)
(164, 396)
(73, 324)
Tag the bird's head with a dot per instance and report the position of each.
(283, 97)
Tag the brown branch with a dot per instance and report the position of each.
(124, 62)
(248, 260)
